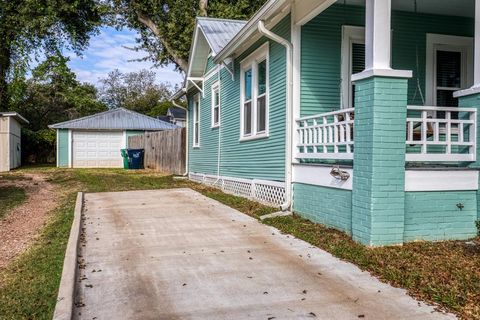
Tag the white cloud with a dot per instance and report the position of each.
(107, 52)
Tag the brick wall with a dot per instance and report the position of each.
(328, 206)
(435, 215)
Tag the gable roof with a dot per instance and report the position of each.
(218, 32)
(211, 35)
(14, 115)
(178, 113)
(116, 119)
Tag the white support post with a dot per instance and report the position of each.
(476, 54)
(378, 34)
(476, 58)
(378, 42)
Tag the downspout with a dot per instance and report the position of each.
(289, 112)
(219, 148)
(186, 136)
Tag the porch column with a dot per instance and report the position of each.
(470, 98)
(378, 197)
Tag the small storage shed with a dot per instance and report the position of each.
(11, 140)
(95, 141)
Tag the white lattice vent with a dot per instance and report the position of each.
(268, 192)
(196, 177)
(241, 188)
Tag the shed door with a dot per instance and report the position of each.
(97, 149)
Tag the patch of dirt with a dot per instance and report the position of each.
(20, 226)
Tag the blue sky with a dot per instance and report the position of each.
(106, 52)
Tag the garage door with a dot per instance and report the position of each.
(97, 149)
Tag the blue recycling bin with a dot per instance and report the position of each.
(135, 158)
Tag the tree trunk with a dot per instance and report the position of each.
(4, 67)
(146, 21)
(203, 4)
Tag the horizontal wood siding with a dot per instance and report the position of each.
(204, 158)
(209, 65)
(263, 158)
(321, 51)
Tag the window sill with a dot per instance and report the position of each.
(215, 126)
(255, 137)
(195, 147)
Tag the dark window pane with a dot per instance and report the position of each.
(445, 98)
(449, 66)
(196, 111)
(358, 57)
(248, 84)
(358, 63)
(262, 77)
(215, 115)
(247, 113)
(196, 133)
(216, 97)
(261, 114)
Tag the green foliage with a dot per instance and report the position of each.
(160, 109)
(52, 95)
(28, 27)
(477, 224)
(136, 91)
(166, 26)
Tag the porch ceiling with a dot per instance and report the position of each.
(463, 8)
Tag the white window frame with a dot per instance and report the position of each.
(215, 87)
(350, 35)
(196, 121)
(439, 42)
(252, 61)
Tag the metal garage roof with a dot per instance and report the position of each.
(219, 32)
(116, 119)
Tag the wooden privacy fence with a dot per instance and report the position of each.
(164, 150)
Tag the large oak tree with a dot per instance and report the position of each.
(166, 26)
(29, 26)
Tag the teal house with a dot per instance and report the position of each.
(359, 115)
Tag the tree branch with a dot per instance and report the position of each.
(147, 22)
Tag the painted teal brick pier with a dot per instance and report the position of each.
(379, 161)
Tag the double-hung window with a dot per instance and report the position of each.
(215, 105)
(254, 95)
(196, 121)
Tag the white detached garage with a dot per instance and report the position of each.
(95, 141)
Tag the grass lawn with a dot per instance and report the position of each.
(447, 273)
(10, 197)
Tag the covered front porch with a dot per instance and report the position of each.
(432, 46)
(386, 126)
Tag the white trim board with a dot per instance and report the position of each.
(451, 180)
(320, 176)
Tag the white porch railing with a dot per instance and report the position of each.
(326, 136)
(441, 134)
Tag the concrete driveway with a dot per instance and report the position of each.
(175, 254)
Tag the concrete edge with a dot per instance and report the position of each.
(66, 291)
